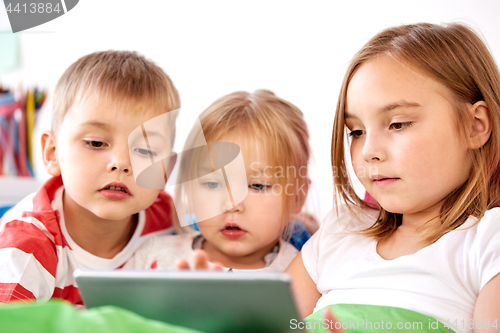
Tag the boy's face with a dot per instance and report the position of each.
(92, 155)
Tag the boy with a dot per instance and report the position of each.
(91, 214)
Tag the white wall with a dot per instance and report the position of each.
(297, 49)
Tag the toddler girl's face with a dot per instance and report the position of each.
(252, 227)
(405, 146)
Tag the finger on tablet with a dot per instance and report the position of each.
(200, 260)
(215, 266)
(182, 264)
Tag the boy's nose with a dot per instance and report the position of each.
(121, 161)
(116, 168)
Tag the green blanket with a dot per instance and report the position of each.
(357, 318)
(58, 316)
(61, 317)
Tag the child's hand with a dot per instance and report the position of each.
(200, 262)
(332, 328)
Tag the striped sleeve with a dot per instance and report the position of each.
(28, 261)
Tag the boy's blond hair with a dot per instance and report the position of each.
(456, 57)
(120, 76)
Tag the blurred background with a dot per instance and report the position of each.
(297, 49)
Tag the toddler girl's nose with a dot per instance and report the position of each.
(229, 206)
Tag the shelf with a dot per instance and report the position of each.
(13, 189)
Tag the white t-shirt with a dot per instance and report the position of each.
(441, 280)
(161, 253)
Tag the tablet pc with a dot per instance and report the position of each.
(206, 301)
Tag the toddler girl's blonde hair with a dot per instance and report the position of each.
(264, 119)
(456, 57)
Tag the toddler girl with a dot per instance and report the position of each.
(244, 234)
(420, 105)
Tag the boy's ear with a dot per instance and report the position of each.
(49, 153)
(481, 125)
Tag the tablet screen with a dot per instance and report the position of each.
(206, 301)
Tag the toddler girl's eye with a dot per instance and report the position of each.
(258, 187)
(212, 185)
(144, 152)
(399, 126)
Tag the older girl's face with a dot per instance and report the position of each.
(405, 146)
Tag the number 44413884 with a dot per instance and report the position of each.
(33, 8)
(472, 324)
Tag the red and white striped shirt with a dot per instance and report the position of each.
(38, 257)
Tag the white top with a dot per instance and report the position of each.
(161, 253)
(441, 280)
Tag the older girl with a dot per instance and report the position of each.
(421, 107)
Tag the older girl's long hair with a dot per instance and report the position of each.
(456, 57)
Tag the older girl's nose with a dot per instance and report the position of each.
(373, 150)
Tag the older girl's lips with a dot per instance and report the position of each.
(383, 182)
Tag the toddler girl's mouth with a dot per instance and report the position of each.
(233, 231)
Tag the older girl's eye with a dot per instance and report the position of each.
(95, 143)
(400, 126)
(356, 133)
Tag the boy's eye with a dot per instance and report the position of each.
(144, 152)
(95, 143)
(356, 133)
(258, 187)
(399, 126)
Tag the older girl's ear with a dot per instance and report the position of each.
(49, 154)
(481, 125)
